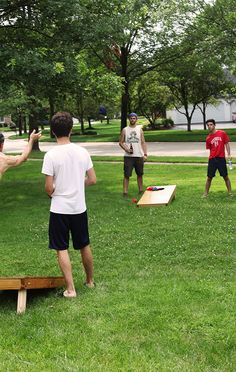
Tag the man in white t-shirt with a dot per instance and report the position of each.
(68, 169)
(133, 143)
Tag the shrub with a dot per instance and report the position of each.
(90, 132)
(167, 123)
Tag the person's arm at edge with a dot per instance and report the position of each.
(14, 161)
(122, 142)
(144, 145)
(90, 178)
(49, 188)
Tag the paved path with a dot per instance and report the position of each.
(112, 148)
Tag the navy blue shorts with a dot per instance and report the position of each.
(60, 227)
(217, 163)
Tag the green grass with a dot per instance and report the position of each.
(165, 295)
(110, 133)
(160, 159)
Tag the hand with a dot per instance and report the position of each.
(144, 157)
(229, 157)
(35, 136)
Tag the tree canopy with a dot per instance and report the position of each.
(78, 54)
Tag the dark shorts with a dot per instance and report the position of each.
(217, 163)
(60, 227)
(133, 162)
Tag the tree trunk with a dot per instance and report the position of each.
(80, 110)
(20, 123)
(51, 113)
(188, 123)
(24, 124)
(124, 106)
(125, 95)
(188, 117)
(204, 106)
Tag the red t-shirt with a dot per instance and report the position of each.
(216, 144)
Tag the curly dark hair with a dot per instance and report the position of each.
(61, 124)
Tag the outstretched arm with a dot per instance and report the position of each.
(13, 161)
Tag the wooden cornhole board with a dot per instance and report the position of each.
(24, 283)
(157, 198)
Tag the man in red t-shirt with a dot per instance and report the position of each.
(217, 141)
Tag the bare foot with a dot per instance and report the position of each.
(69, 294)
(90, 285)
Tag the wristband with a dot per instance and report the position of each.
(145, 154)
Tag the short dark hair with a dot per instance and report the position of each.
(61, 124)
(2, 138)
(211, 121)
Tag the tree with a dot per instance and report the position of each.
(132, 37)
(32, 38)
(194, 79)
(150, 98)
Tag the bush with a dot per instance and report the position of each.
(163, 123)
(90, 132)
(167, 123)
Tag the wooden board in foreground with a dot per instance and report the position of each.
(23, 283)
(157, 198)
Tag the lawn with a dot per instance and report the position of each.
(165, 295)
(153, 159)
(110, 133)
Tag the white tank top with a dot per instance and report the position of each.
(133, 135)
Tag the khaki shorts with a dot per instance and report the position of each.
(133, 162)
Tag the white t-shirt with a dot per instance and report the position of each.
(133, 135)
(68, 165)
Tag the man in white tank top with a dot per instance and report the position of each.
(133, 143)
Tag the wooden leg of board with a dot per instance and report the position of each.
(21, 302)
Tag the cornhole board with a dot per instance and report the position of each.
(22, 284)
(157, 198)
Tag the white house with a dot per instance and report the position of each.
(224, 111)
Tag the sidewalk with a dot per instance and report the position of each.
(112, 148)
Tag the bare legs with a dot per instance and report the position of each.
(228, 184)
(87, 260)
(140, 183)
(208, 185)
(66, 268)
(126, 184)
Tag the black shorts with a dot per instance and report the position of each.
(217, 163)
(60, 226)
(133, 162)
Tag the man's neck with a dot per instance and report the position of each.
(63, 140)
